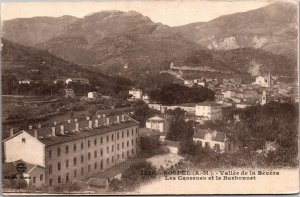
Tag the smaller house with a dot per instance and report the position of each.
(215, 140)
(155, 106)
(92, 95)
(69, 93)
(136, 93)
(33, 174)
(173, 146)
(158, 124)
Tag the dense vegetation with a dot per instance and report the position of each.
(176, 93)
(275, 123)
(134, 176)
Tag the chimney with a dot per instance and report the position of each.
(69, 121)
(76, 126)
(123, 118)
(11, 132)
(39, 126)
(54, 123)
(118, 119)
(90, 124)
(75, 120)
(53, 131)
(107, 121)
(87, 118)
(98, 116)
(62, 129)
(30, 127)
(35, 133)
(96, 123)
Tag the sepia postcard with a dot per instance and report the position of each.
(139, 97)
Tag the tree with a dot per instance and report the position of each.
(137, 174)
(180, 130)
(150, 144)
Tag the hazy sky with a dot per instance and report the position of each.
(169, 12)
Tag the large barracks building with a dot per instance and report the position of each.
(74, 150)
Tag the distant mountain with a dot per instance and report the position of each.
(31, 31)
(27, 62)
(111, 40)
(130, 45)
(273, 28)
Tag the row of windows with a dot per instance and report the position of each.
(59, 180)
(89, 143)
(89, 157)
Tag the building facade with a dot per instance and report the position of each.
(136, 93)
(209, 110)
(75, 150)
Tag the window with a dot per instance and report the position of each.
(50, 169)
(107, 161)
(74, 147)
(23, 140)
(132, 142)
(50, 182)
(131, 131)
(112, 137)
(217, 147)
(67, 163)
(67, 149)
(117, 136)
(206, 144)
(112, 148)
(95, 142)
(50, 153)
(58, 166)
(101, 140)
(132, 152)
(136, 131)
(81, 145)
(95, 165)
(136, 140)
(127, 143)
(89, 168)
(127, 153)
(122, 134)
(95, 154)
(122, 144)
(107, 139)
(58, 152)
(59, 179)
(82, 171)
(75, 173)
(127, 133)
(101, 152)
(101, 164)
(41, 177)
(89, 156)
(75, 161)
(107, 149)
(67, 177)
(89, 143)
(118, 147)
(33, 180)
(122, 155)
(82, 158)
(112, 159)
